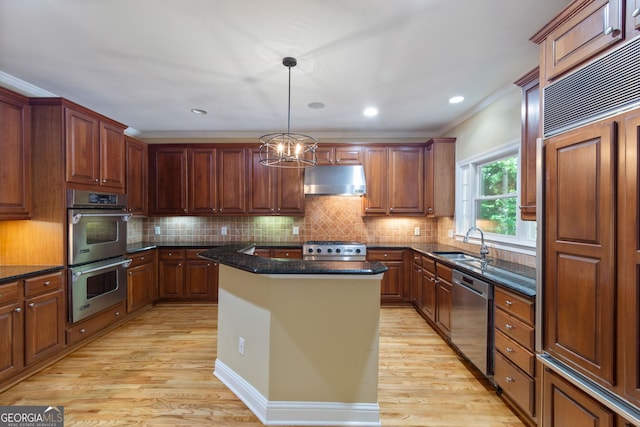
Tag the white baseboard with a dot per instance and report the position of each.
(284, 413)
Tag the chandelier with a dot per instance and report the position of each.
(288, 150)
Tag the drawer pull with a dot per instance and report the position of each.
(141, 258)
(32, 305)
(507, 302)
(47, 283)
(635, 12)
(18, 310)
(83, 330)
(510, 379)
(509, 350)
(509, 326)
(117, 313)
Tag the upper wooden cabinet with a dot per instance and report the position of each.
(395, 180)
(273, 191)
(136, 176)
(582, 31)
(531, 111)
(339, 155)
(231, 180)
(167, 180)
(95, 150)
(15, 143)
(440, 177)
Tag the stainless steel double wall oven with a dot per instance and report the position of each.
(97, 232)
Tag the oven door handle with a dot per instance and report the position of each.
(77, 217)
(125, 263)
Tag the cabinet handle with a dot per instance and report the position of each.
(510, 379)
(97, 180)
(386, 255)
(508, 326)
(507, 302)
(180, 264)
(509, 350)
(47, 283)
(130, 273)
(32, 305)
(208, 264)
(82, 331)
(104, 180)
(635, 12)
(117, 313)
(185, 211)
(18, 310)
(430, 210)
(141, 258)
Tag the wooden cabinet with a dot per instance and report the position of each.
(429, 288)
(273, 191)
(202, 194)
(584, 30)
(416, 280)
(531, 111)
(231, 180)
(440, 180)
(566, 405)
(580, 249)
(167, 180)
(395, 286)
(395, 180)
(44, 316)
(339, 155)
(136, 176)
(515, 352)
(95, 152)
(11, 330)
(183, 276)
(443, 298)
(86, 328)
(15, 146)
(286, 253)
(142, 288)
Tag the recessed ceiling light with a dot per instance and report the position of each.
(316, 105)
(456, 99)
(198, 111)
(370, 111)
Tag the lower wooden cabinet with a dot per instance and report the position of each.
(429, 288)
(86, 328)
(11, 330)
(395, 286)
(183, 276)
(443, 298)
(142, 288)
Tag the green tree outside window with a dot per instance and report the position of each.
(496, 204)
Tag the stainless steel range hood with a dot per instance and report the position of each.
(345, 180)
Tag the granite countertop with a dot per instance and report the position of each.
(232, 255)
(18, 272)
(517, 277)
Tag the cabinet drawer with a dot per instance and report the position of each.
(515, 329)
(193, 253)
(40, 284)
(516, 353)
(515, 383)
(444, 272)
(515, 305)
(378, 255)
(287, 253)
(141, 258)
(95, 324)
(167, 254)
(9, 293)
(429, 264)
(417, 257)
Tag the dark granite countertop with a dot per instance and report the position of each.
(18, 272)
(232, 255)
(516, 277)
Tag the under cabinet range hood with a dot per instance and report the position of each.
(344, 180)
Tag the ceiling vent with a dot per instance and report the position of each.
(605, 87)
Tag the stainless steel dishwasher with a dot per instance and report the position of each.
(472, 320)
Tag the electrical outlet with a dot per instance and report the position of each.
(223, 231)
(156, 230)
(416, 231)
(241, 346)
(296, 230)
(450, 233)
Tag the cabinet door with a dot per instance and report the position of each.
(168, 180)
(15, 143)
(565, 405)
(202, 181)
(198, 279)
(82, 148)
(406, 180)
(416, 284)
(140, 286)
(440, 192)
(633, 14)
(580, 249)
(589, 32)
(12, 342)
(260, 186)
(429, 292)
(391, 286)
(170, 275)
(348, 155)
(375, 171)
(112, 161)
(44, 326)
(231, 180)
(290, 192)
(443, 306)
(136, 179)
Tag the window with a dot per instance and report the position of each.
(489, 196)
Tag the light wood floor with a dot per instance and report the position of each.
(157, 371)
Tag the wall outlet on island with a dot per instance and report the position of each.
(241, 346)
(223, 231)
(156, 230)
(296, 230)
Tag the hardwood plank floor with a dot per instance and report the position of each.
(157, 369)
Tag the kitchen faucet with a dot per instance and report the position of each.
(484, 250)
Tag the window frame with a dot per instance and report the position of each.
(467, 184)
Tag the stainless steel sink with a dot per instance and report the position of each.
(460, 256)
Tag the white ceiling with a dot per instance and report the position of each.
(146, 63)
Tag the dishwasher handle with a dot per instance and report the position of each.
(483, 289)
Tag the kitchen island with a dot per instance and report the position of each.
(298, 340)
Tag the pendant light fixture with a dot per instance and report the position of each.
(288, 150)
